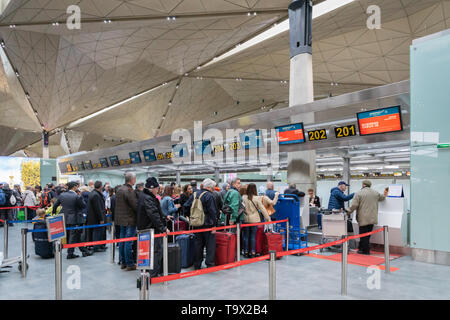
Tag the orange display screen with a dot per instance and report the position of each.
(380, 121)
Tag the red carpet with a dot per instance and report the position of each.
(375, 259)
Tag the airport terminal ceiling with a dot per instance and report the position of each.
(155, 53)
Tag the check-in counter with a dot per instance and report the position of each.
(392, 212)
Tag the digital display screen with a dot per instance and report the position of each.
(88, 165)
(290, 134)
(135, 157)
(202, 147)
(114, 161)
(81, 166)
(180, 150)
(69, 167)
(149, 155)
(104, 163)
(346, 131)
(317, 135)
(252, 139)
(380, 121)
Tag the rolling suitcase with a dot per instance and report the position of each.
(187, 245)
(180, 226)
(42, 247)
(273, 241)
(174, 253)
(225, 248)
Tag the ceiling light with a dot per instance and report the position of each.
(174, 18)
(12, 25)
(249, 14)
(391, 167)
(2, 44)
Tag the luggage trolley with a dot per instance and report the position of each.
(334, 226)
(288, 207)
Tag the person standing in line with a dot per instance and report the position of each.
(233, 199)
(96, 215)
(150, 216)
(125, 217)
(29, 200)
(365, 203)
(270, 192)
(72, 207)
(225, 188)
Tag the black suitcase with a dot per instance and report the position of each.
(42, 247)
(174, 253)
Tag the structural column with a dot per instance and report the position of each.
(346, 173)
(217, 175)
(178, 177)
(45, 149)
(302, 164)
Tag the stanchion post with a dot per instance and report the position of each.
(113, 245)
(5, 240)
(238, 242)
(287, 235)
(24, 232)
(387, 262)
(144, 285)
(272, 276)
(25, 210)
(58, 270)
(344, 268)
(165, 257)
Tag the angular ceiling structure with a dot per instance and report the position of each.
(134, 69)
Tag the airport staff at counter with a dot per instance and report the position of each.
(365, 203)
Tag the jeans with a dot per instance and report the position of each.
(203, 239)
(249, 235)
(125, 248)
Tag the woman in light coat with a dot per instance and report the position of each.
(253, 206)
(29, 200)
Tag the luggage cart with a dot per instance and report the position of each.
(334, 226)
(288, 207)
(8, 263)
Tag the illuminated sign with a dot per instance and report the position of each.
(346, 131)
(317, 135)
(202, 147)
(160, 156)
(104, 163)
(380, 121)
(114, 161)
(135, 157)
(69, 167)
(149, 155)
(81, 166)
(251, 139)
(290, 134)
(88, 165)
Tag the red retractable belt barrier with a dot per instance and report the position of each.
(21, 207)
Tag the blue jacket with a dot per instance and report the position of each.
(168, 207)
(338, 198)
(270, 194)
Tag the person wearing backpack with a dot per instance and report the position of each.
(46, 197)
(9, 201)
(204, 215)
(232, 203)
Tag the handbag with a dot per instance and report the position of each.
(261, 215)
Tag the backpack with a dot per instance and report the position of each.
(45, 199)
(2, 198)
(10, 200)
(197, 217)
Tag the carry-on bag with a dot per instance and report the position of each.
(42, 247)
(187, 245)
(225, 248)
(174, 254)
(273, 241)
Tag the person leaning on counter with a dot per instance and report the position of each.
(365, 202)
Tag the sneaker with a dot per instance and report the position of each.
(132, 268)
(72, 256)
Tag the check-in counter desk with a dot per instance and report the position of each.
(392, 212)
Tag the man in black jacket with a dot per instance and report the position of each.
(96, 215)
(150, 216)
(293, 190)
(72, 208)
(207, 239)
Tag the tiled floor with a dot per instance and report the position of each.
(297, 278)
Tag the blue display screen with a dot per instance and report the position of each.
(88, 165)
(135, 157)
(202, 147)
(114, 161)
(180, 150)
(104, 162)
(149, 155)
(251, 139)
(81, 166)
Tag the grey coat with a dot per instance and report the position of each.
(72, 206)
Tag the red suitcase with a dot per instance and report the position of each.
(273, 241)
(180, 226)
(259, 240)
(225, 248)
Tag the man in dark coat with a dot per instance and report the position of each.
(72, 207)
(96, 215)
(206, 239)
(150, 216)
(293, 190)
